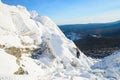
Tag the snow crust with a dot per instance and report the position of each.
(7, 63)
(57, 59)
(109, 67)
(19, 28)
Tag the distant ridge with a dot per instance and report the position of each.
(118, 21)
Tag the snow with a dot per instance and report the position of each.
(18, 26)
(27, 39)
(33, 14)
(109, 66)
(10, 40)
(57, 57)
(8, 63)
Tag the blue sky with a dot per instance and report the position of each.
(73, 11)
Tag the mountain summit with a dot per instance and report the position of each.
(33, 45)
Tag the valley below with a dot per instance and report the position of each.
(94, 40)
(98, 47)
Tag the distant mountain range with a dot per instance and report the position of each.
(83, 30)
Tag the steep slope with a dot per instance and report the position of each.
(36, 47)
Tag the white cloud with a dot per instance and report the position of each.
(100, 18)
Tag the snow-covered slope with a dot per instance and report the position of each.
(6, 61)
(109, 67)
(33, 45)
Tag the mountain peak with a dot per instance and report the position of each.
(37, 44)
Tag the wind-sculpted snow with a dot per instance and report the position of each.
(109, 66)
(53, 54)
(33, 47)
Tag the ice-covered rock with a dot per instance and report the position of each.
(33, 14)
(40, 47)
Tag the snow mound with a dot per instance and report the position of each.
(109, 67)
(6, 62)
(38, 47)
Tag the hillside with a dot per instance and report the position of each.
(32, 47)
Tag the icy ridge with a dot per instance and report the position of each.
(38, 45)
